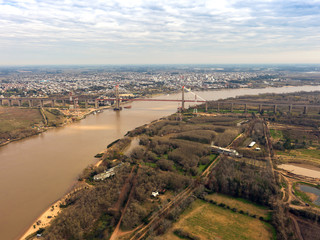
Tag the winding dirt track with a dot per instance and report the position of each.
(140, 233)
(131, 178)
(156, 217)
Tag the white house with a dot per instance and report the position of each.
(252, 144)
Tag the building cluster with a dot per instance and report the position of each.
(225, 151)
(41, 83)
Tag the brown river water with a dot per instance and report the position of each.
(37, 171)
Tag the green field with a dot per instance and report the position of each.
(307, 156)
(18, 118)
(314, 153)
(55, 118)
(241, 204)
(276, 134)
(203, 167)
(208, 221)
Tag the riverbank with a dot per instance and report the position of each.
(44, 220)
(65, 123)
(149, 96)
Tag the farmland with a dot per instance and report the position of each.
(16, 123)
(208, 221)
(241, 205)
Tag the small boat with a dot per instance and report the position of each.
(128, 106)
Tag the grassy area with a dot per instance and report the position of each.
(307, 156)
(18, 118)
(154, 165)
(276, 134)
(54, 119)
(203, 167)
(285, 153)
(208, 221)
(314, 153)
(241, 204)
(17, 123)
(304, 197)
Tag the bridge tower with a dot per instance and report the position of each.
(117, 106)
(195, 110)
(182, 99)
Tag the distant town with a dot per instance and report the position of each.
(142, 80)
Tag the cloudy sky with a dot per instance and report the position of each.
(161, 31)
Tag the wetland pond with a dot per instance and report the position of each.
(313, 190)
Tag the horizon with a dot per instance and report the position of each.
(162, 64)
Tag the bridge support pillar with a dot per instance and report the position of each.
(0, 102)
(41, 102)
(19, 102)
(260, 108)
(245, 108)
(86, 103)
(96, 103)
(9, 102)
(30, 102)
(231, 107)
(275, 108)
(290, 108)
(218, 107)
(117, 101)
(305, 109)
(182, 99)
(64, 103)
(206, 106)
(53, 102)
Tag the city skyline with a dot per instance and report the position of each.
(159, 32)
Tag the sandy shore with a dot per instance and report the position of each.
(53, 211)
(45, 219)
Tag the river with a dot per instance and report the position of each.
(37, 171)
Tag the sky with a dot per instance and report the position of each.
(159, 32)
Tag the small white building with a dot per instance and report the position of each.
(103, 175)
(107, 173)
(155, 194)
(251, 144)
(225, 151)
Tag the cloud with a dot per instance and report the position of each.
(179, 27)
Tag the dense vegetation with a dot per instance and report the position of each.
(87, 215)
(171, 157)
(239, 179)
(169, 154)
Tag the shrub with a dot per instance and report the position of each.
(184, 234)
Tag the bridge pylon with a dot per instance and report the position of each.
(182, 99)
(117, 105)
